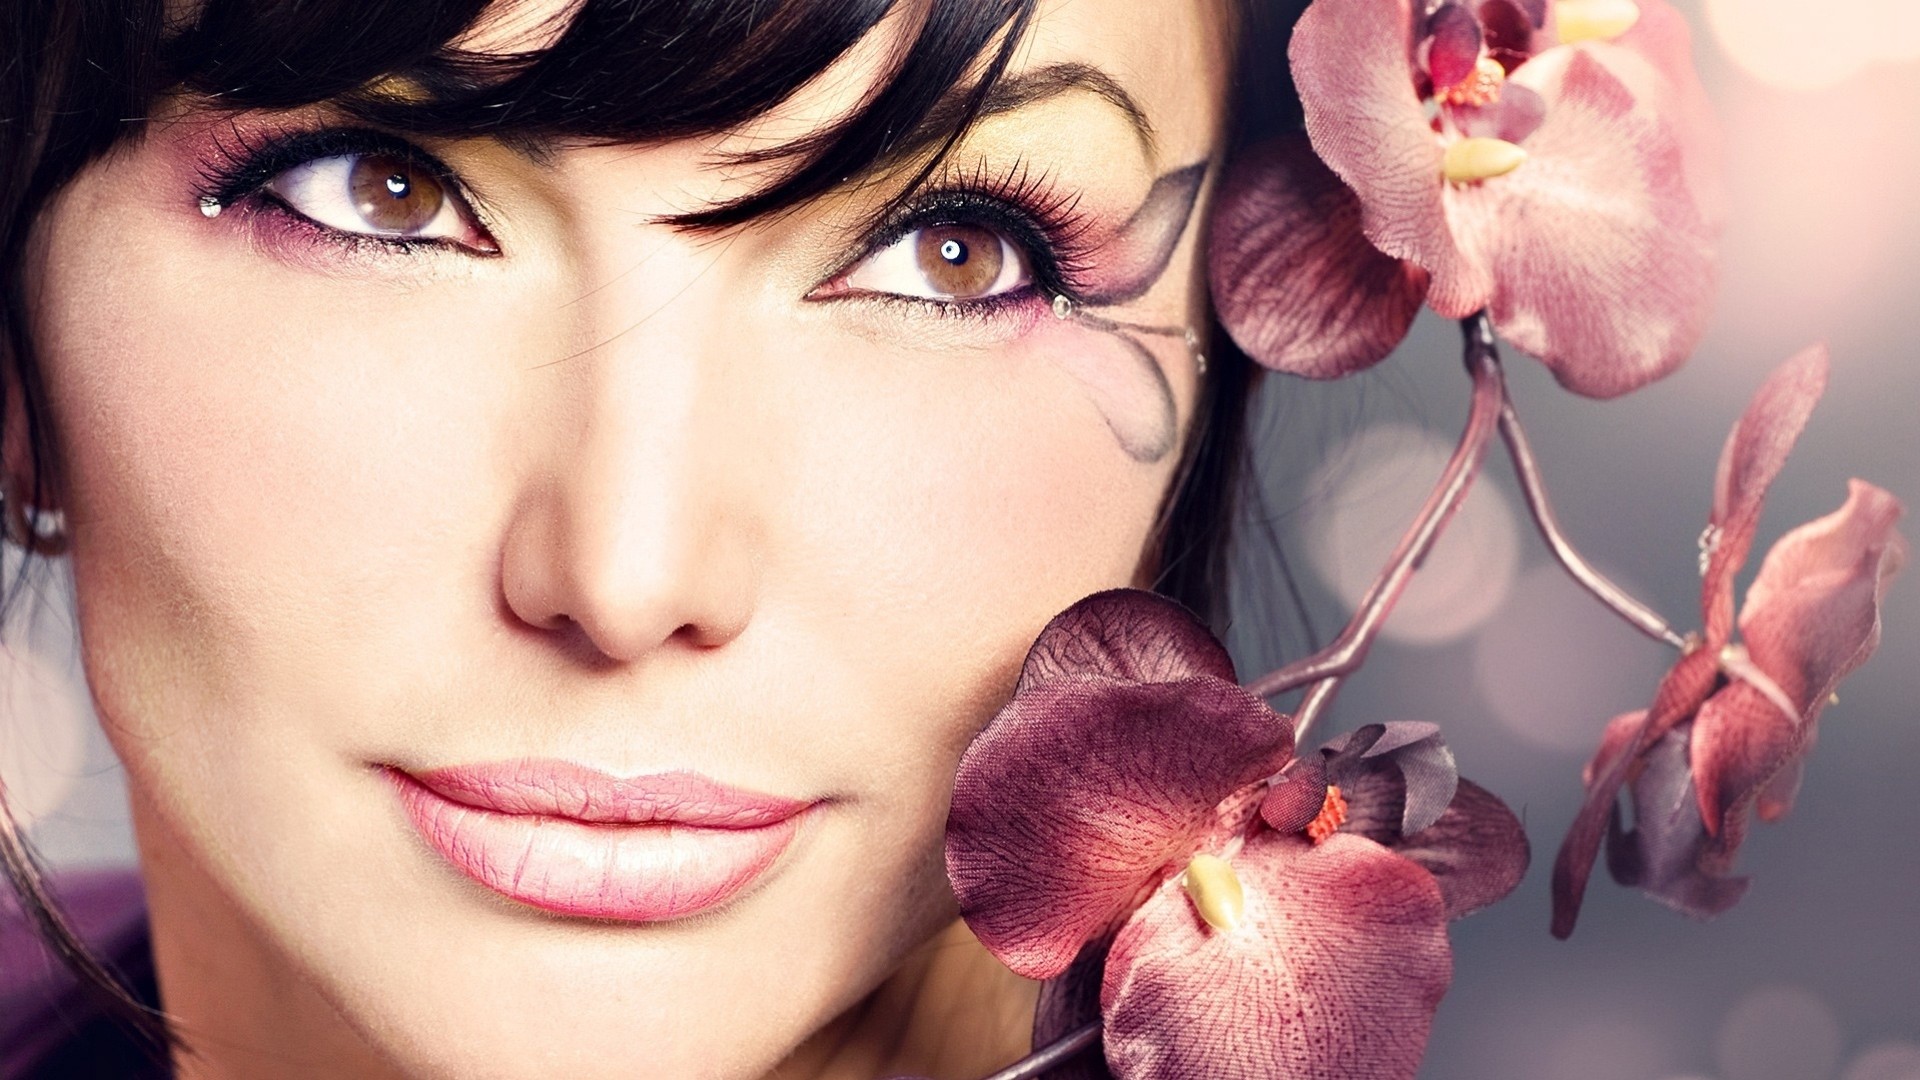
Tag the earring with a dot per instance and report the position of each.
(36, 531)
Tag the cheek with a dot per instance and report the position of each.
(1034, 459)
(948, 503)
(1124, 373)
(269, 477)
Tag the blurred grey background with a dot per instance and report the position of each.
(1816, 975)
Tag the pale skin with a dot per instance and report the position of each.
(619, 495)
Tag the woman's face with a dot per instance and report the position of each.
(392, 557)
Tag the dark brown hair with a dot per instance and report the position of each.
(80, 76)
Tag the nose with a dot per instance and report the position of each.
(633, 533)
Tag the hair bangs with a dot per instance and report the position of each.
(621, 71)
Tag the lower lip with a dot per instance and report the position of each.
(634, 873)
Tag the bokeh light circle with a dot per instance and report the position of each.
(1885, 1061)
(1556, 666)
(1792, 44)
(1778, 1032)
(1373, 486)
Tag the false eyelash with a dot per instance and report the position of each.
(1043, 220)
(242, 165)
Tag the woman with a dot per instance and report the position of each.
(552, 488)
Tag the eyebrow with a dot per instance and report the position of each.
(1012, 93)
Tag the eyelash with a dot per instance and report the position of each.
(1044, 222)
(241, 170)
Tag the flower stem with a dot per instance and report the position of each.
(1527, 468)
(1066, 1047)
(1323, 671)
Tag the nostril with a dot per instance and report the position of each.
(572, 641)
(701, 636)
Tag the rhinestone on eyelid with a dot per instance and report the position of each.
(1062, 307)
(210, 206)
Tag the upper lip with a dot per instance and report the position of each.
(563, 789)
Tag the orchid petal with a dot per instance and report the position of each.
(1084, 793)
(1534, 10)
(1812, 614)
(1605, 775)
(1664, 39)
(1477, 852)
(1604, 267)
(1476, 849)
(1404, 790)
(1776, 798)
(1663, 854)
(1755, 451)
(1680, 695)
(1513, 28)
(1811, 618)
(1740, 741)
(1335, 972)
(1453, 44)
(1416, 751)
(1297, 284)
(1125, 634)
(1356, 82)
(1514, 118)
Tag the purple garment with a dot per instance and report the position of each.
(49, 1025)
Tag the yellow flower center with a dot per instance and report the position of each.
(1216, 891)
(1469, 161)
(1593, 20)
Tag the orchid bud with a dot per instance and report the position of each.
(1216, 891)
(1593, 20)
(1475, 159)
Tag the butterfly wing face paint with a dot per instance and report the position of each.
(1136, 258)
(1124, 365)
(1126, 379)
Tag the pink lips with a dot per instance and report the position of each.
(573, 840)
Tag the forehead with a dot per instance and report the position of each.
(1173, 56)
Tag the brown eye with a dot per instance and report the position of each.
(392, 195)
(952, 262)
(381, 195)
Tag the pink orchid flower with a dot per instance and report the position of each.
(1551, 161)
(1732, 723)
(1135, 821)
